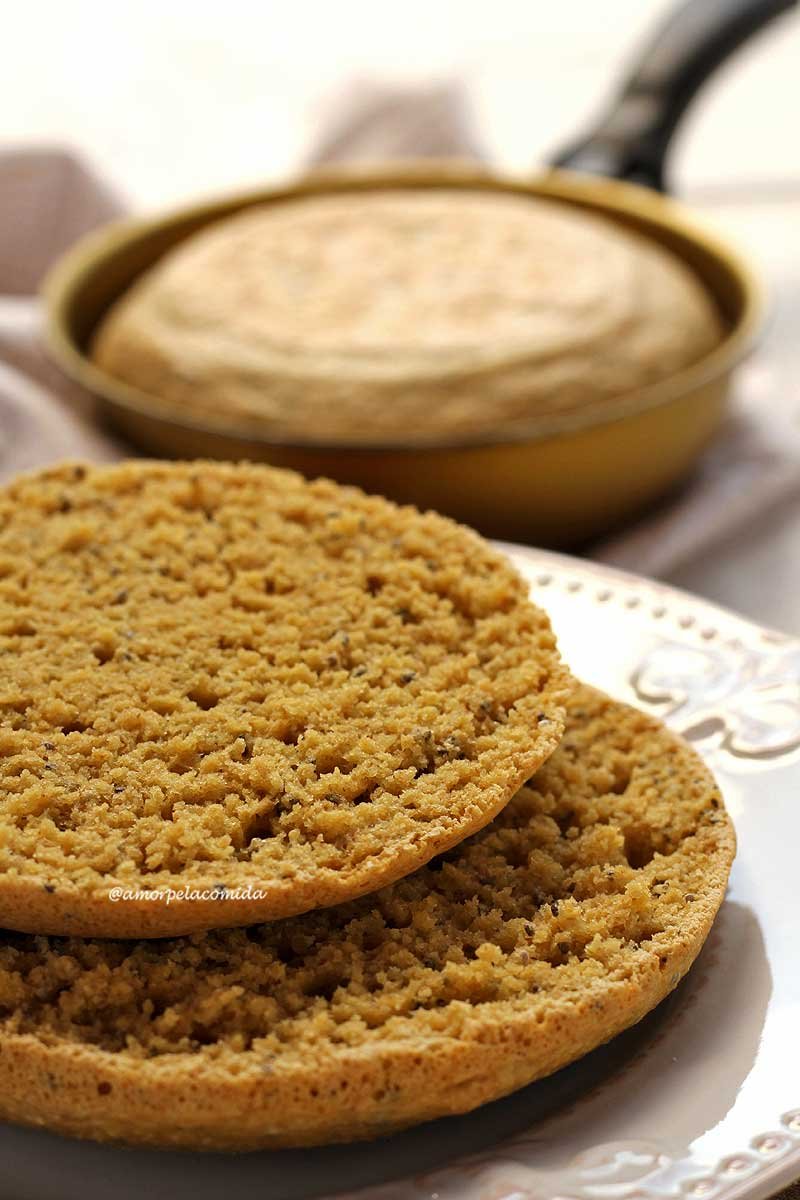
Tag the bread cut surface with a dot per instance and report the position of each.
(275, 694)
(560, 924)
(391, 315)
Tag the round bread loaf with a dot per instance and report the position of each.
(563, 922)
(232, 695)
(388, 315)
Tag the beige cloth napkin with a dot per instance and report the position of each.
(49, 198)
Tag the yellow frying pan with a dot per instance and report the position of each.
(559, 479)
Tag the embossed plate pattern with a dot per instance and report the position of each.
(701, 1100)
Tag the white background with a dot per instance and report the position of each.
(179, 97)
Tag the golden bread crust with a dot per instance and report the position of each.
(273, 693)
(381, 315)
(544, 935)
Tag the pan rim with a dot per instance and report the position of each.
(618, 200)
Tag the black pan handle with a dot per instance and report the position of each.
(632, 139)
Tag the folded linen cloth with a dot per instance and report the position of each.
(48, 198)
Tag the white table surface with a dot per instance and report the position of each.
(173, 100)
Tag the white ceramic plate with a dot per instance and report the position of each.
(702, 1099)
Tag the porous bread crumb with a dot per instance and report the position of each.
(222, 675)
(388, 315)
(545, 934)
